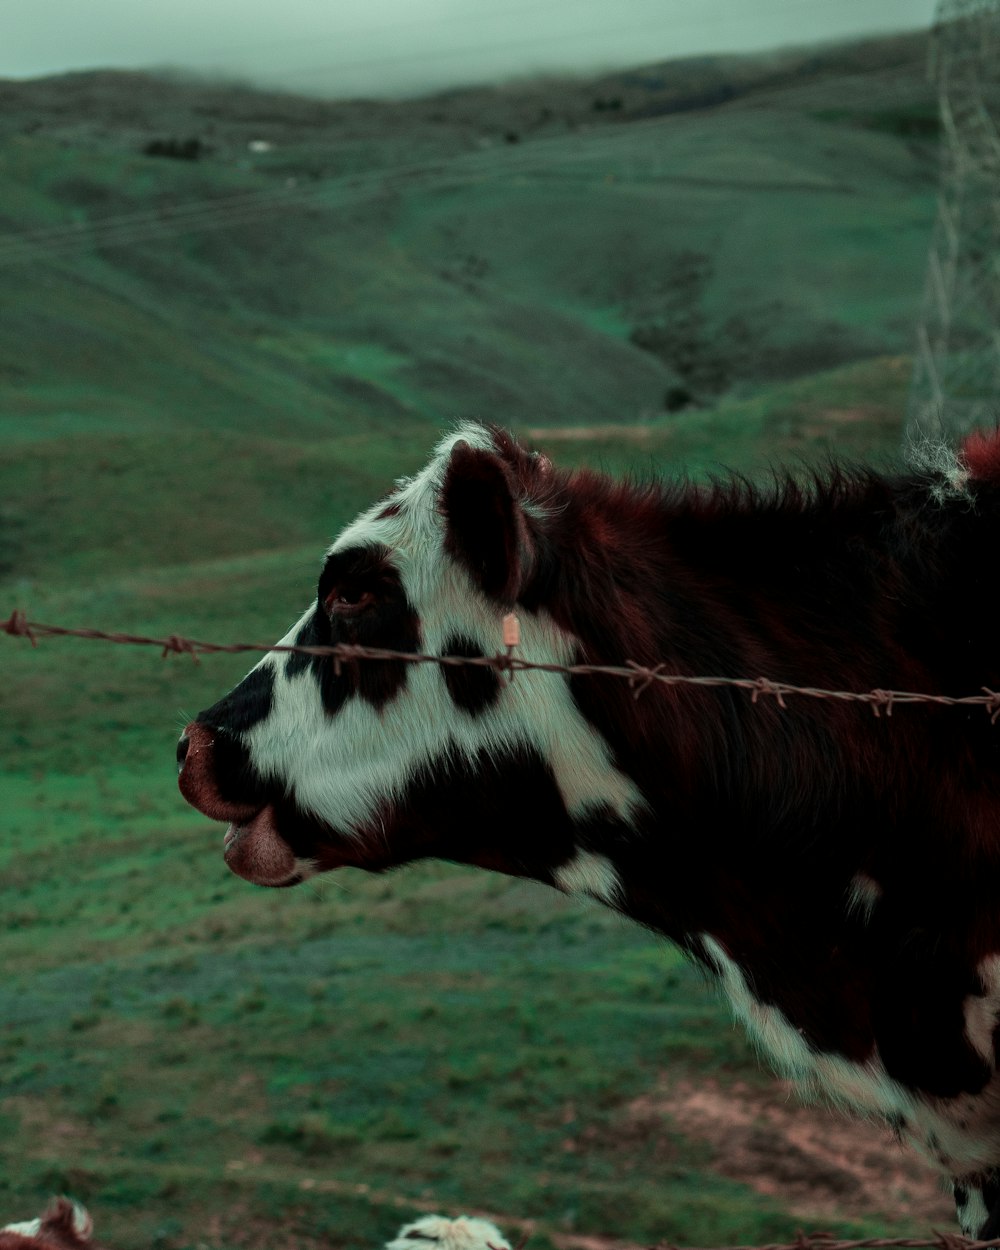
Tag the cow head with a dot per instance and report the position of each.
(384, 762)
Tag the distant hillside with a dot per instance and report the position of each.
(184, 259)
(123, 107)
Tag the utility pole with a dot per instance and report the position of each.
(956, 377)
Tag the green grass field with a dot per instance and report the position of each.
(186, 417)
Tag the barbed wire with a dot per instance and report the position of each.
(639, 676)
(826, 1241)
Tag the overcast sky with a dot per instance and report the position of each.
(376, 47)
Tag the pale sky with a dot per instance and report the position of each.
(381, 47)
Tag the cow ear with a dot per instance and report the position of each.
(66, 1222)
(485, 526)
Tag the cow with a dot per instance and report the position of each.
(66, 1225)
(835, 871)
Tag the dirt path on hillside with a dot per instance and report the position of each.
(817, 426)
(818, 1163)
(586, 433)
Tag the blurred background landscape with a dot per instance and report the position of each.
(230, 316)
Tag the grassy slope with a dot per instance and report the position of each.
(184, 419)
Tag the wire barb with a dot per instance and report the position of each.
(991, 704)
(643, 678)
(762, 686)
(950, 1241)
(18, 627)
(175, 645)
(882, 699)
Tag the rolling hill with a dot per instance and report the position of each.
(230, 319)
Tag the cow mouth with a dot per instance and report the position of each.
(254, 850)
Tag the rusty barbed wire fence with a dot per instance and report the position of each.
(639, 677)
(826, 1241)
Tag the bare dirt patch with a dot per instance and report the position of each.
(820, 1164)
(589, 433)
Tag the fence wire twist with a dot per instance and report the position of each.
(639, 677)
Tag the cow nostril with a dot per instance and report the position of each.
(182, 750)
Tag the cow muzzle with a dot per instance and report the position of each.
(252, 847)
(199, 780)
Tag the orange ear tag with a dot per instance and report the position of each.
(511, 631)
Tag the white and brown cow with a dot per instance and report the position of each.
(837, 872)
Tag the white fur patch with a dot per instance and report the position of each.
(27, 1228)
(463, 1233)
(972, 1213)
(863, 1087)
(960, 1136)
(863, 895)
(783, 1045)
(591, 874)
(950, 475)
(982, 1010)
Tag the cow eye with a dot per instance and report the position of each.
(348, 601)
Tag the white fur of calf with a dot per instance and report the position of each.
(463, 1233)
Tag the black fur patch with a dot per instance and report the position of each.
(989, 1187)
(494, 792)
(237, 712)
(389, 622)
(471, 688)
(245, 705)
